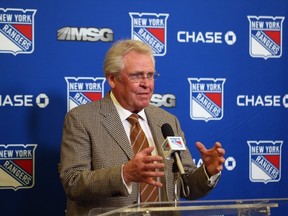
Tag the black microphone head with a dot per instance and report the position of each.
(167, 130)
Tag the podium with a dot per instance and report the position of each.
(251, 207)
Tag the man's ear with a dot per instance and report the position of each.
(111, 80)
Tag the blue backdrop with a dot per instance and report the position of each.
(223, 67)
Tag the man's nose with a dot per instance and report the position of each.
(145, 81)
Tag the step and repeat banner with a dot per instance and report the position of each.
(224, 74)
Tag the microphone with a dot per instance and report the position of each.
(172, 145)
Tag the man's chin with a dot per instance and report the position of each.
(143, 104)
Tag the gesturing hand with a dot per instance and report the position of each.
(143, 166)
(212, 158)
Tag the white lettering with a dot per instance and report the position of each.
(75, 86)
(24, 153)
(23, 18)
(5, 17)
(6, 153)
(258, 100)
(257, 24)
(257, 149)
(199, 37)
(16, 100)
(80, 99)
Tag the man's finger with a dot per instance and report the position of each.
(153, 182)
(219, 149)
(147, 151)
(201, 147)
(218, 145)
(154, 166)
(152, 158)
(149, 174)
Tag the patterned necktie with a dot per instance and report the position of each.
(149, 193)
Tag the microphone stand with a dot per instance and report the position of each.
(179, 175)
(176, 179)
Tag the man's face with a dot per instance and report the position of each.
(133, 95)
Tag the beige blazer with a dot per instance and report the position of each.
(94, 148)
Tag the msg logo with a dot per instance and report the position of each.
(166, 100)
(85, 34)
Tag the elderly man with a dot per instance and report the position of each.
(110, 152)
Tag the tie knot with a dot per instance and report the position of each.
(133, 118)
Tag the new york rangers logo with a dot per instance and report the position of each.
(17, 31)
(177, 142)
(151, 29)
(81, 90)
(206, 98)
(265, 36)
(265, 161)
(17, 166)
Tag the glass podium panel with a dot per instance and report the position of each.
(251, 207)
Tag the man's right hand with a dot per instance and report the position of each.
(143, 166)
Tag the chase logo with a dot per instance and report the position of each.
(265, 36)
(81, 90)
(265, 161)
(17, 166)
(42, 100)
(206, 98)
(17, 31)
(151, 29)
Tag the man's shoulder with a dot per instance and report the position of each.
(85, 107)
(93, 105)
(159, 112)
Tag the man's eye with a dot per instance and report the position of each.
(150, 75)
(137, 76)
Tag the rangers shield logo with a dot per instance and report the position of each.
(17, 166)
(17, 31)
(206, 98)
(151, 29)
(265, 36)
(265, 161)
(81, 90)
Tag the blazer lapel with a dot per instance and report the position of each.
(113, 125)
(155, 122)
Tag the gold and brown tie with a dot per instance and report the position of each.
(149, 193)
